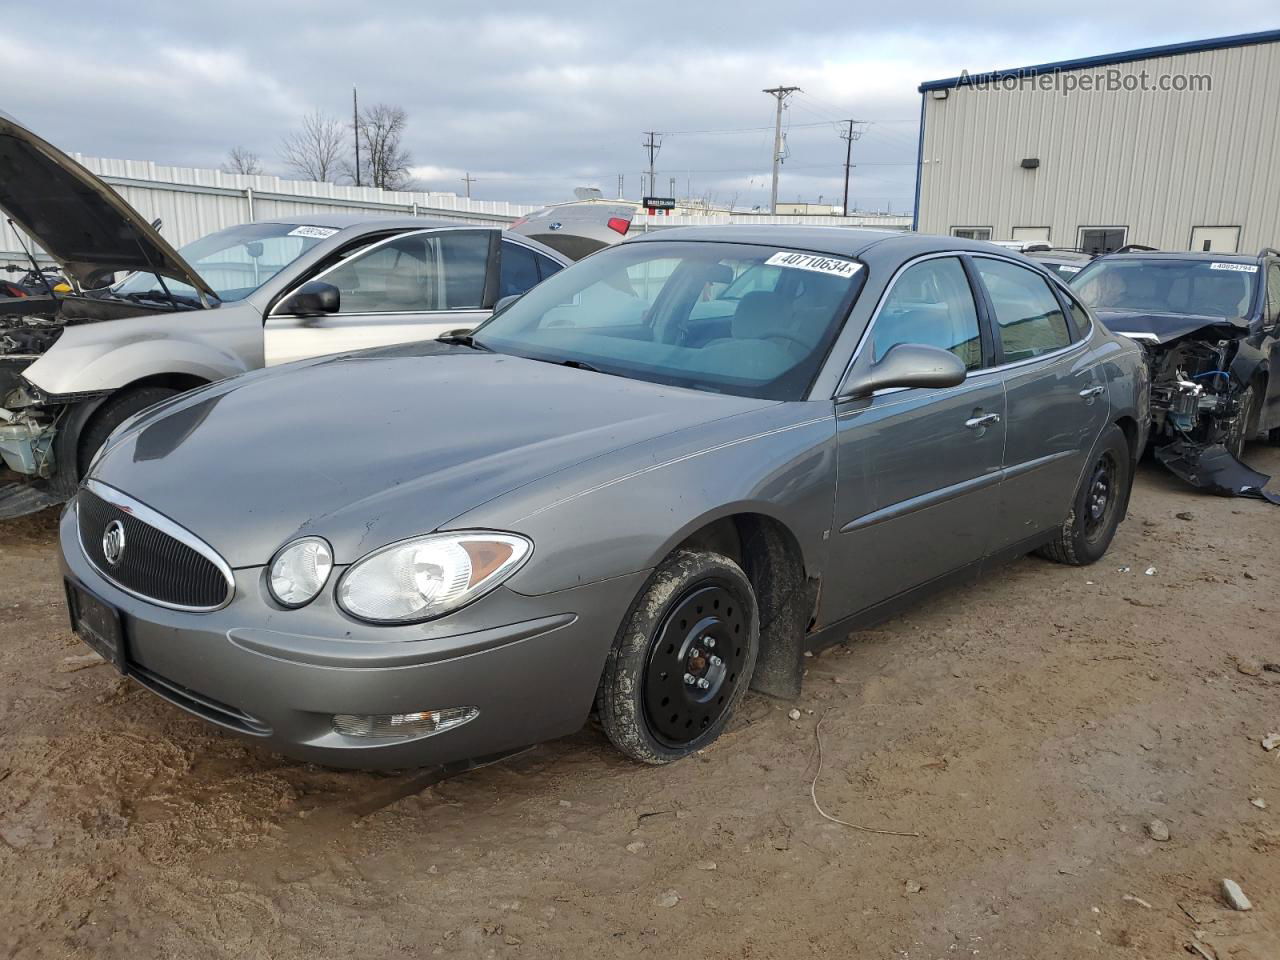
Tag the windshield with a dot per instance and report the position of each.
(1197, 288)
(734, 318)
(236, 261)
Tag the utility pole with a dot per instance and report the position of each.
(468, 179)
(621, 179)
(780, 94)
(848, 136)
(653, 145)
(355, 129)
(672, 191)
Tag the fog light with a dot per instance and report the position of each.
(402, 725)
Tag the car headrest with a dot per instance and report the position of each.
(759, 313)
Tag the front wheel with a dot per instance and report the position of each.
(109, 416)
(1099, 505)
(1245, 426)
(682, 659)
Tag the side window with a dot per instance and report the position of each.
(931, 304)
(1080, 316)
(519, 269)
(1029, 317)
(1273, 293)
(547, 266)
(417, 272)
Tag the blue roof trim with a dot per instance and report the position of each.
(1106, 59)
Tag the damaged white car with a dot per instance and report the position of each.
(74, 366)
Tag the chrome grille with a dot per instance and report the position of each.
(160, 561)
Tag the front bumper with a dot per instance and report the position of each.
(529, 664)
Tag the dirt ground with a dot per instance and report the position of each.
(1028, 729)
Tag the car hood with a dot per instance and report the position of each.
(76, 218)
(369, 448)
(1164, 327)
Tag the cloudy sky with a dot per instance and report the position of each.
(534, 99)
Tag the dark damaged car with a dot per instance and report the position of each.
(1210, 324)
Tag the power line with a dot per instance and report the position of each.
(780, 94)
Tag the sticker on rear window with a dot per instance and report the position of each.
(1065, 269)
(818, 264)
(319, 233)
(1241, 267)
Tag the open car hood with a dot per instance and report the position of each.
(1160, 327)
(76, 218)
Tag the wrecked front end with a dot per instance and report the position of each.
(37, 455)
(1206, 399)
(28, 330)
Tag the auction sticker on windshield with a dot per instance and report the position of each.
(1241, 267)
(319, 233)
(816, 263)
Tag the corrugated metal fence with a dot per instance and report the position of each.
(193, 202)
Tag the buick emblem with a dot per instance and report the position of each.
(113, 542)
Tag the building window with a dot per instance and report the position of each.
(971, 233)
(1031, 234)
(1099, 240)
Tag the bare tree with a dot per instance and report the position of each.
(242, 160)
(384, 162)
(315, 151)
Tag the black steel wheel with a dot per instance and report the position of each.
(1099, 505)
(682, 659)
(1101, 499)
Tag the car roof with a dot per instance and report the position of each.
(341, 221)
(1218, 257)
(351, 221)
(1066, 256)
(837, 241)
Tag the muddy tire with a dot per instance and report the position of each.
(1099, 505)
(109, 416)
(682, 659)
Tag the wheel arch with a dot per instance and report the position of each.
(786, 587)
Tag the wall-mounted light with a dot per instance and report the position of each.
(1030, 163)
(941, 93)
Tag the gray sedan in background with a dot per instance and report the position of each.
(651, 482)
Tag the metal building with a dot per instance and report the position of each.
(1176, 147)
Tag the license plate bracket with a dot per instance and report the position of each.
(97, 623)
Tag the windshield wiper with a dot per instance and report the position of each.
(465, 340)
(578, 365)
(163, 297)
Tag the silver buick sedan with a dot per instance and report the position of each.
(650, 483)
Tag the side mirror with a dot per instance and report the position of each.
(312, 299)
(506, 302)
(906, 365)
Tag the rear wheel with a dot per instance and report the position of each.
(682, 659)
(1099, 505)
(109, 416)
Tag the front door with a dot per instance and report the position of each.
(414, 286)
(918, 469)
(1056, 394)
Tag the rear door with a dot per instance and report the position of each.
(918, 469)
(1271, 344)
(414, 286)
(1056, 397)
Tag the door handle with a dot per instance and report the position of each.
(1088, 393)
(977, 423)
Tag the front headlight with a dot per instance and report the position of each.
(299, 570)
(428, 576)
